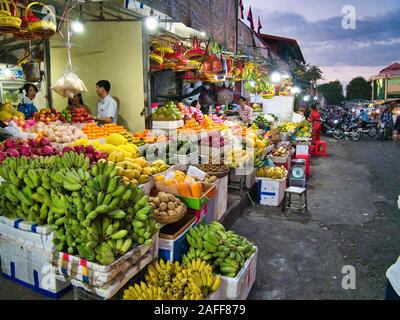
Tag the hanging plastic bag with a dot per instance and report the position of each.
(69, 84)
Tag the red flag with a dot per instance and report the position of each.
(241, 6)
(259, 25)
(250, 18)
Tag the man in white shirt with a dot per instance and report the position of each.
(107, 106)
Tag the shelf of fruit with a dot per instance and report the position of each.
(226, 251)
(8, 113)
(93, 213)
(93, 131)
(58, 132)
(77, 115)
(48, 115)
(194, 280)
(167, 112)
(208, 124)
(275, 173)
(147, 137)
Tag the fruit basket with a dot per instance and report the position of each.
(45, 28)
(196, 53)
(9, 21)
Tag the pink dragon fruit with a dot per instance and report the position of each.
(26, 150)
(80, 149)
(67, 149)
(2, 156)
(11, 143)
(33, 143)
(47, 150)
(45, 142)
(11, 152)
(89, 149)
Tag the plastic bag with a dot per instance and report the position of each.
(14, 131)
(69, 85)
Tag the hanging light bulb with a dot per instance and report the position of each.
(77, 26)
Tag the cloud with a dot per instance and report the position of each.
(374, 42)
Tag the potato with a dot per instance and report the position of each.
(171, 197)
(171, 206)
(163, 198)
(153, 205)
(212, 179)
(171, 212)
(151, 199)
(163, 206)
(157, 201)
(178, 210)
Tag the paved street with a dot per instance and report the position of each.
(353, 220)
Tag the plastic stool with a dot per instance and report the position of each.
(318, 146)
(307, 158)
(312, 149)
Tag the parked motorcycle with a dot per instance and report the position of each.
(369, 128)
(347, 129)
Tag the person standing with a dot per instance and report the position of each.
(107, 106)
(245, 111)
(315, 119)
(77, 102)
(27, 106)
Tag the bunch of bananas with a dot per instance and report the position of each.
(226, 251)
(93, 213)
(272, 172)
(173, 281)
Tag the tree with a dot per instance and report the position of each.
(314, 74)
(333, 92)
(358, 89)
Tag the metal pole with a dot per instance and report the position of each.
(48, 72)
(146, 77)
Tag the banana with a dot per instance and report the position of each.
(126, 246)
(71, 187)
(112, 185)
(119, 235)
(119, 191)
(28, 182)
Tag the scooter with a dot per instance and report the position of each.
(347, 130)
(370, 128)
(384, 131)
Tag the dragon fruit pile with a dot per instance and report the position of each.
(216, 119)
(213, 139)
(89, 151)
(193, 113)
(16, 148)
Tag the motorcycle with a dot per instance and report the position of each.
(370, 128)
(347, 129)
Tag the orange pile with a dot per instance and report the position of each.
(207, 124)
(93, 131)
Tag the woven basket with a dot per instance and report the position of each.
(24, 33)
(42, 29)
(168, 219)
(9, 21)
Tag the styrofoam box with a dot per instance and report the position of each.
(302, 149)
(30, 266)
(270, 191)
(93, 273)
(192, 158)
(174, 249)
(168, 125)
(147, 186)
(239, 288)
(110, 289)
(20, 230)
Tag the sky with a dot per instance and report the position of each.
(317, 26)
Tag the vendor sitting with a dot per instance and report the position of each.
(107, 106)
(245, 111)
(27, 106)
(77, 102)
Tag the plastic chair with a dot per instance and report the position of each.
(318, 151)
(312, 150)
(307, 158)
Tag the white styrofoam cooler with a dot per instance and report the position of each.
(270, 191)
(249, 173)
(29, 265)
(217, 205)
(239, 288)
(20, 230)
(168, 125)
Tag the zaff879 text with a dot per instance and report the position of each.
(221, 309)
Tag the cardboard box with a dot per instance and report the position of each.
(172, 242)
(270, 191)
(30, 266)
(239, 288)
